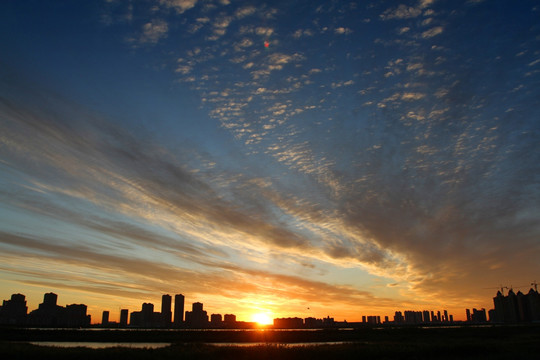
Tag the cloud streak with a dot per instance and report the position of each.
(394, 155)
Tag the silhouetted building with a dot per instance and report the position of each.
(14, 311)
(426, 316)
(533, 302)
(166, 313)
(229, 319)
(328, 322)
(75, 316)
(478, 316)
(124, 317)
(197, 317)
(146, 318)
(313, 323)
(178, 309)
(216, 320)
(518, 307)
(288, 323)
(49, 314)
(468, 313)
(49, 299)
(413, 317)
(398, 317)
(492, 315)
(105, 318)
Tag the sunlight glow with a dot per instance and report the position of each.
(262, 319)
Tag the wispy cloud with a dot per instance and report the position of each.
(401, 12)
(154, 31)
(432, 32)
(179, 5)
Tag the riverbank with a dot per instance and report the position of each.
(502, 342)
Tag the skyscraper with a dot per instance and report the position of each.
(178, 309)
(124, 317)
(197, 318)
(105, 318)
(166, 314)
(49, 299)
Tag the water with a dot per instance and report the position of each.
(155, 345)
(100, 345)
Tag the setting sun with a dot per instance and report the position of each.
(262, 319)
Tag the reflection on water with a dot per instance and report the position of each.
(100, 345)
(153, 345)
(319, 343)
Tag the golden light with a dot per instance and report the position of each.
(262, 319)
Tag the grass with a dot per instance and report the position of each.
(403, 343)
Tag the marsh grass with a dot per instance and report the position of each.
(404, 343)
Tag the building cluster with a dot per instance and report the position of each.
(422, 317)
(48, 314)
(194, 319)
(299, 323)
(512, 308)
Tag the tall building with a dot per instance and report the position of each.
(289, 323)
(147, 314)
(478, 316)
(229, 319)
(145, 318)
(124, 317)
(517, 308)
(178, 309)
(166, 310)
(49, 299)
(14, 311)
(216, 320)
(49, 313)
(105, 317)
(197, 317)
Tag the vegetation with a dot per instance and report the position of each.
(401, 343)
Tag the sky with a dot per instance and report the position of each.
(288, 158)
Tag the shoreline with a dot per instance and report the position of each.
(263, 335)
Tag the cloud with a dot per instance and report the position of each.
(342, 31)
(179, 5)
(432, 32)
(154, 31)
(245, 11)
(401, 12)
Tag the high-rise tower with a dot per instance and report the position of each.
(166, 314)
(178, 309)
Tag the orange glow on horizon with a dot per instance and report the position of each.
(262, 319)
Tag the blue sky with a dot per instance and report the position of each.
(353, 157)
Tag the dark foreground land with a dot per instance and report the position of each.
(502, 342)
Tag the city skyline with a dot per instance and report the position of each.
(276, 159)
(17, 312)
(511, 308)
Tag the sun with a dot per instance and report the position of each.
(262, 319)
